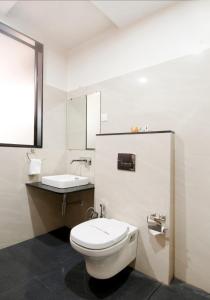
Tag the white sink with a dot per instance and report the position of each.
(64, 181)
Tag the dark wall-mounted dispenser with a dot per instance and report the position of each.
(126, 162)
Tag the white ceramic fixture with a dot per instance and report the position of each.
(64, 181)
(108, 245)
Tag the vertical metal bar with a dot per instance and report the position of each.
(64, 204)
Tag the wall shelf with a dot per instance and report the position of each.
(143, 132)
(63, 192)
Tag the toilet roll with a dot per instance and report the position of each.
(155, 233)
(34, 166)
(155, 228)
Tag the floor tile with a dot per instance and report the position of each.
(33, 290)
(128, 284)
(47, 267)
(41, 254)
(56, 237)
(179, 290)
(12, 273)
(55, 279)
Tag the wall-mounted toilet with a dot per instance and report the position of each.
(107, 244)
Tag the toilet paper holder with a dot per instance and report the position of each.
(157, 223)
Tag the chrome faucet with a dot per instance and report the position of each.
(102, 215)
(86, 160)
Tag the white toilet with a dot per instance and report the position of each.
(107, 244)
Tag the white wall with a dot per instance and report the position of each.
(25, 213)
(175, 32)
(169, 36)
(132, 196)
(55, 68)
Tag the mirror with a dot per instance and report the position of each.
(93, 118)
(76, 123)
(83, 121)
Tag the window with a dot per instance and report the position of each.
(21, 89)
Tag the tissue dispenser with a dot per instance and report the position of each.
(156, 224)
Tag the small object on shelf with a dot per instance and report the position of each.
(135, 129)
(145, 128)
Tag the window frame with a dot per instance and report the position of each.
(38, 84)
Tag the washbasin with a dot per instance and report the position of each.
(64, 181)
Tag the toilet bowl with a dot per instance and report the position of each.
(108, 245)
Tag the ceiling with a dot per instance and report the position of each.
(68, 24)
(124, 13)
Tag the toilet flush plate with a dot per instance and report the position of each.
(126, 162)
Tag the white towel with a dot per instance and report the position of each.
(34, 166)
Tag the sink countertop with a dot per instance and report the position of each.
(49, 188)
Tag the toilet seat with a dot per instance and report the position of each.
(98, 253)
(99, 233)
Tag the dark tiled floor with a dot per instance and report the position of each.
(48, 268)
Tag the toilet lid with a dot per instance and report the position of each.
(99, 233)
